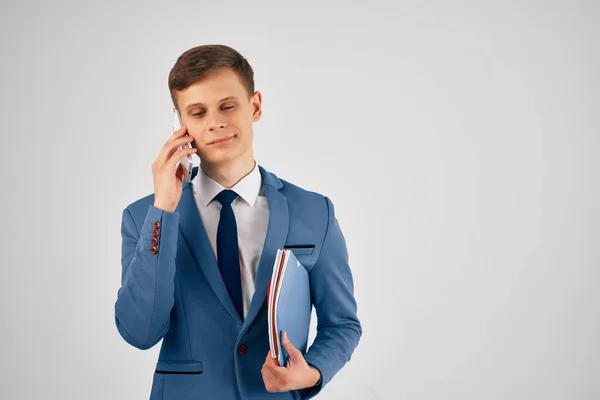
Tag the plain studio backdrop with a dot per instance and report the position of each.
(458, 142)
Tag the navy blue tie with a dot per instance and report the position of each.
(228, 252)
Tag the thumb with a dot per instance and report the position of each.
(180, 172)
(293, 352)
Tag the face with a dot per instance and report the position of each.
(210, 119)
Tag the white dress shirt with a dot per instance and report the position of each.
(251, 212)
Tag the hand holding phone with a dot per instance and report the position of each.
(187, 160)
(169, 169)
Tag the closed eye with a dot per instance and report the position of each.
(224, 108)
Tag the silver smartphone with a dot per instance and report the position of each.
(186, 161)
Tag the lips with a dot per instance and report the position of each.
(221, 139)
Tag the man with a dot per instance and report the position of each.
(197, 256)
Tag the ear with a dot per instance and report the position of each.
(257, 106)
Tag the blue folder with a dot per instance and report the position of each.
(289, 305)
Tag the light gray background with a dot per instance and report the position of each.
(458, 142)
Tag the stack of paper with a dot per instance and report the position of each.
(289, 305)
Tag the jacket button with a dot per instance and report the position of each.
(242, 349)
(156, 225)
(154, 241)
(155, 233)
(154, 250)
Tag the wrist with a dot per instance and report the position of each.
(316, 376)
(164, 207)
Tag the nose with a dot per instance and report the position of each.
(216, 125)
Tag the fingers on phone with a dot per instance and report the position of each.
(175, 157)
(175, 142)
(183, 141)
(179, 132)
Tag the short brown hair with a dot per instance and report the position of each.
(198, 61)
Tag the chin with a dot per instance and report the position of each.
(222, 158)
(224, 155)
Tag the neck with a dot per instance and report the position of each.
(229, 173)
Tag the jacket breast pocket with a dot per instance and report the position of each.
(305, 249)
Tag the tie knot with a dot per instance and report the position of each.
(226, 197)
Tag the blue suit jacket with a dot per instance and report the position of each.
(171, 289)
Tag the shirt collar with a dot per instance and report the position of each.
(205, 188)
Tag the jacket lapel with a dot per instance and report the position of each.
(277, 231)
(195, 235)
(193, 230)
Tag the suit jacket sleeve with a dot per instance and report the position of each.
(332, 289)
(147, 292)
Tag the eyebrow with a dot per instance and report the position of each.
(202, 104)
